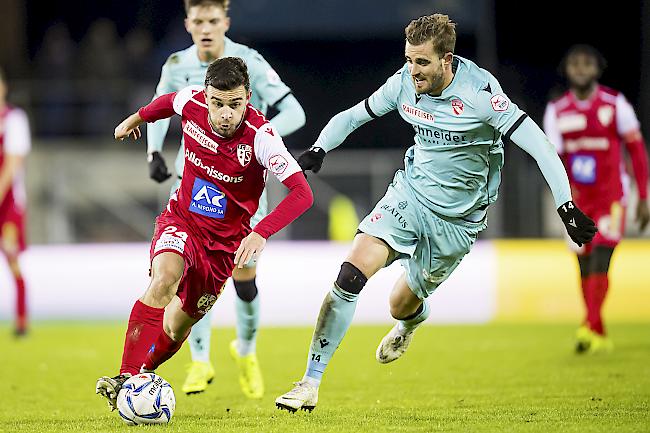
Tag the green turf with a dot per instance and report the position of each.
(506, 378)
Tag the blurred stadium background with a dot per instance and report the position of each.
(79, 69)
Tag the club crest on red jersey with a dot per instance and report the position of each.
(244, 153)
(605, 115)
(457, 106)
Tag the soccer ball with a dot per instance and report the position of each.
(146, 399)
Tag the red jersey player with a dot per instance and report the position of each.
(588, 124)
(14, 146)
(205, 230)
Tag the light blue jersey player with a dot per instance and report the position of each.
(207, 22)
(435, 208)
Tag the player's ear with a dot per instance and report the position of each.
(250, 94)
(227, 24)
(447, 59)
(186, 22)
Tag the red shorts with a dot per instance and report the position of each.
(13, 216)
(610, 221)
(206, 271)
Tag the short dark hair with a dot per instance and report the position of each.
(587, 50)
(225, 4)
(227, 73)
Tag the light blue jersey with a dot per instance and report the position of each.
(184, 68)
(454, 167)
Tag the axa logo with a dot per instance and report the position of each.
(208, 199)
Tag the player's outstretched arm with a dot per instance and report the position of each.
(299, 199)
(529, 137)
(129, 127)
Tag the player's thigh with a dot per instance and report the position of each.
(246, 273)
(176, 322)
(392, 228)
(369, 254)
(439, 252)
(403, 301)
(10, 238)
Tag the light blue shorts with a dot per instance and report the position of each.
(430, 246)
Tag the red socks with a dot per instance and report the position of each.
(595, 291)
(21, 305)
(145, 324)
(163, 349)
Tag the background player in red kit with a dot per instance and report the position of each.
(588, 123)
(205, 230)
(14, 145)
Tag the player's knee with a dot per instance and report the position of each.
(601, 257)
(163, 285)
(350, 278)
(246, 290)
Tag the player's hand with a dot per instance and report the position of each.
(312, 159)
(130, 127)
(157, 167)
(642, 214)
(250, 248)
(580, 227)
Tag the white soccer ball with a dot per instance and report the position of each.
(146, 399)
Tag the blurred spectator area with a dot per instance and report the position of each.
(80, 67)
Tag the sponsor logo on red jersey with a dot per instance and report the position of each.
(278, 164)
(195, 131)
(207, 199)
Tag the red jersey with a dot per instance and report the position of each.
(588, 136)
(223, 177)
(14, 140)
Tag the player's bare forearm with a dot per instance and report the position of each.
(129, 127)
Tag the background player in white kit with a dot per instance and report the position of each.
(207, 22)
(15, 144)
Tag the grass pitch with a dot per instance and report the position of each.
(505, 378)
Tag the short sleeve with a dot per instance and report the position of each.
(626, 120)
(272, 154)
(17, 139)
(183, 96)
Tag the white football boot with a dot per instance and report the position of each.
(393, 345)
(109, 387)
(303, 396)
